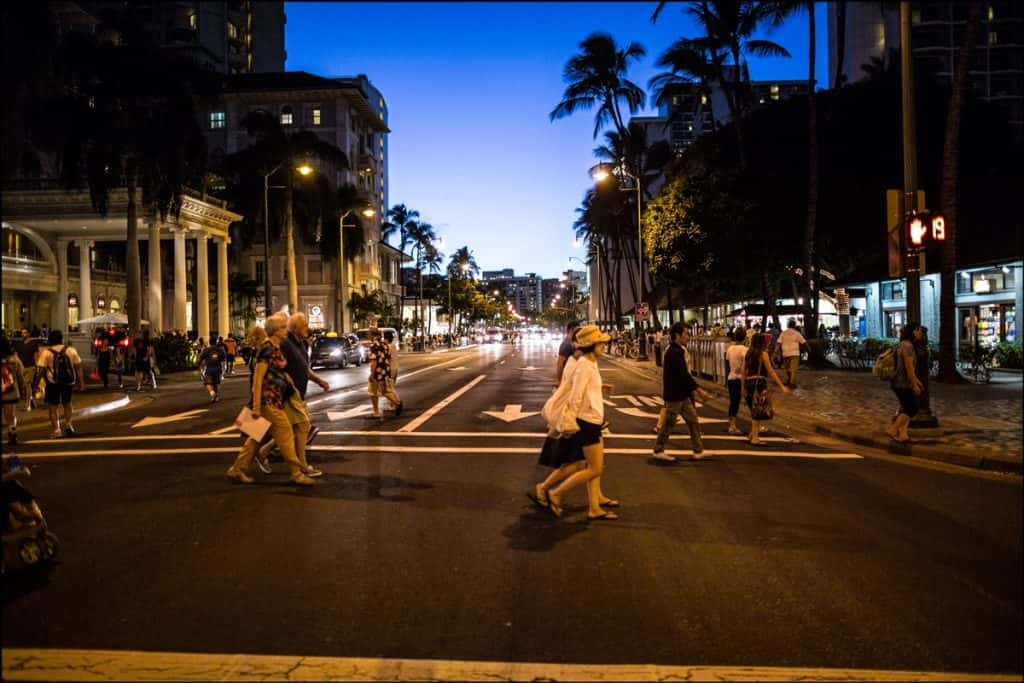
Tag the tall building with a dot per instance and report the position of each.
(349, 113)
(525, 292)
(997, 70)
(238, 37)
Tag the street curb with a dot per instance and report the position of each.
(953, 456)
(90, 411)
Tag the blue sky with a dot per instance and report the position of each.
(469, 87)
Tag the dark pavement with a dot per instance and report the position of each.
(420, 544)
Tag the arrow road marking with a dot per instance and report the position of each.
(187, 415)
(333, 416)
(529, 367)
(512, 412)
(435, 409)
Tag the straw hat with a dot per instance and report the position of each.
(588, 335)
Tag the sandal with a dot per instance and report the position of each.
(609, 503)
(539, 500)
(554, 507)
(605, 515)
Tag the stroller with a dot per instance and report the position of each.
(26, 540)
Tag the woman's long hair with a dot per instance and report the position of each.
(758, 344)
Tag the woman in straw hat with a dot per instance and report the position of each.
(587, 402)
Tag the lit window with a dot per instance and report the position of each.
(217, 119)
(992, 39)
(991, 13)
(774, 91)
(193, 21)
(316, 117)
(232, 31)
(286, 116)
(703, 99)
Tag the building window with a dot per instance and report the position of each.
(316, 117)
(232, 31)
(115, 306)
(991, 13)
(217, 119)
(993, 39)
(101, 302)
(286, 116)
(261, 273)
(314, 272)
(892, 291)
(774, 89)
(193, 21)
(73, 311)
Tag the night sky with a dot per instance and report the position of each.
(469, 87)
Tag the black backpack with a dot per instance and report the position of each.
(63, 370)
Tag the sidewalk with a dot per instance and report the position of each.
(980, 425)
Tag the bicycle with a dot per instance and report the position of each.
(977, 367)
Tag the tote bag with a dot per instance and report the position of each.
(761, 403)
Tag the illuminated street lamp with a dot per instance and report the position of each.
(599, 175)
(367, 213)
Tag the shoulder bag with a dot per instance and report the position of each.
(761, 404)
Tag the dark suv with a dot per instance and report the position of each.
(336, 351)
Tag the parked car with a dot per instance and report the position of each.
(333, 350)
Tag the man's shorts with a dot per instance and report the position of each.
(212, 379)
(55, 395)
(375, 388)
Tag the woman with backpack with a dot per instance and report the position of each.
(905, 383)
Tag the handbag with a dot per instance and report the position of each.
(557, 412)
(761, 407)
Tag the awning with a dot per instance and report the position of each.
(759, 310)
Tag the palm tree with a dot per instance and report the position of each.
(461, 265)
(421, 235)
(950, 156)
(132, 125)
(400, 221)
(597, 77)
(689, 60)
(275, 151)
(728, 26)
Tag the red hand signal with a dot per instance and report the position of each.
(917, 231)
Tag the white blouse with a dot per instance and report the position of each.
(586, 397)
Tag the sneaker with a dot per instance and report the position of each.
(313, 472)
(262, 464)
(301, 479)
(663, 456)
(755, 441)
(313, 431)
(239, 476)
(56, 434)
(697, 455)
(398, 409)
(70, 431)
(733, 429)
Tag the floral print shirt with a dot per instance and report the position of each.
(277, 385)
(380, 356)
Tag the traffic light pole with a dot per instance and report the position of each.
(909, 160)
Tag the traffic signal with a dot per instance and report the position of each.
(921, 225)
(918, 230)
(938, 227)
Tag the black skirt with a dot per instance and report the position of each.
(558, 452)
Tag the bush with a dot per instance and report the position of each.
(174, 354)
(1008, 355)
(872, 347)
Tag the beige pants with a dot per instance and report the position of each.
(285, 436)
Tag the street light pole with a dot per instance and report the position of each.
(342, 280)
(266, 240)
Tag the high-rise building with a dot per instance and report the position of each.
(997, 70)
(227, 37)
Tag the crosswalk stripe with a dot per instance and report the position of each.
(29, 664)
(471, 450)
(486, 435)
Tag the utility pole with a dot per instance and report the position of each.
(909, 160)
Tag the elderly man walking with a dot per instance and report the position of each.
(295, 349)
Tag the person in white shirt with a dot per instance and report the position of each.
(61, 367)
(791, 340)
(587, 402)
(735, 355)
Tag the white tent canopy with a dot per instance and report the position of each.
(109, 319)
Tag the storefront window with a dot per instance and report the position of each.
(72, 311)
(115, 306)
(893, 290)
(315, 314)
(985, 281)
(894, 320)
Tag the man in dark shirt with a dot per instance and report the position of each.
(295, 348)
(565, 350)
(678, 388)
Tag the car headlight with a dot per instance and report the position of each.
(335, 353)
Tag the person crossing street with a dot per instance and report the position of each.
(211, 366)
(679, 389)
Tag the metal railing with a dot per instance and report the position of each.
(707, 357)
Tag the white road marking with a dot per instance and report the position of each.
(629, 397)
(461, 367)
(512, 412)
(187, 415)
(649, 400)
(760, 452)
(440, 405)
(225, 430)
(127, 665)
(361, 389)
(637, 412)
(502, 435)
(351, 412)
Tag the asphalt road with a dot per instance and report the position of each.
(419, 542)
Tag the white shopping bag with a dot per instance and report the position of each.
(251, 425)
